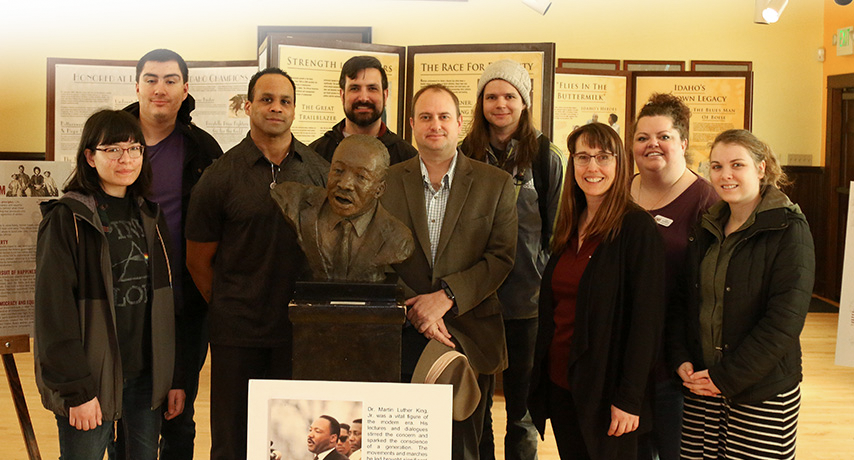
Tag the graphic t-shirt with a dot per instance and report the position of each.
(131, 284)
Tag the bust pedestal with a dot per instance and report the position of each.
(347, 331)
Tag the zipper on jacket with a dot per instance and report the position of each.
(165, 254)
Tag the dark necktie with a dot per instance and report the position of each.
(343, 253)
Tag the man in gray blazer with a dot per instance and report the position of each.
(462, 215)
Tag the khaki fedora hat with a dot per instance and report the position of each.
(442, 364)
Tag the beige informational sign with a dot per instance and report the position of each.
(315, 71)
(400, 421)
(717, 103)
(79, 91)
(23, 185)
(220, 95)
(461, 71)
(581, 98)
(845, 331)
(77, 88)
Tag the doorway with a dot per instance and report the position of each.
(839, 172)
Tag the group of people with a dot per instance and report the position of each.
(35, 185)
(330, 439)
(607, 298)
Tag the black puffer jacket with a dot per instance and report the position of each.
(769, 283)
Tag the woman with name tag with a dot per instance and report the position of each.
(676, 197)
(601, 307)
(748, 286)
(104, 318)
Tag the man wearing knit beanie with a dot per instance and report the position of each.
(502, 134)
(510, 71)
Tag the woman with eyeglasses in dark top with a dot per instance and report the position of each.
(601, 307)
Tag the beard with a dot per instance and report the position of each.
(364, 120)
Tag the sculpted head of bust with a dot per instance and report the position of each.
(357, 175)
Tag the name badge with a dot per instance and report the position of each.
(663, 221)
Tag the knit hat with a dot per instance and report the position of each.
(510, 71)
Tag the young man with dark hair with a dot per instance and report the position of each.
(179, 151)
(364, 91)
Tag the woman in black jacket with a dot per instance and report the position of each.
(736, 346)
(601, 307)
(104, 317)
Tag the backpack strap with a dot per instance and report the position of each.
(540, 170)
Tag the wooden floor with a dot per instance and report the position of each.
(825, 432)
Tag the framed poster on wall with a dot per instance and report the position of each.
(589, 96)
(76, 88)
(345, 34)
(315, 66)
(459, 67)
(718, 101)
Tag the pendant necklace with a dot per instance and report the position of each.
(666, 194)
(274, 171)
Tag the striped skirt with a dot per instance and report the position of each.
(715, 428)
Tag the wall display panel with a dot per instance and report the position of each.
(76, 88)
(845, 330)
(722, 66)
(663, 66)
(589, 64)
(345, 34)
(23, 186)
(582, 97)
(459, 67)
(315, 66)
(79, 87)
(718, 101)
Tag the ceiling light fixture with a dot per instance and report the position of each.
(769, 11)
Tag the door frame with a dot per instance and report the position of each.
(836, 84)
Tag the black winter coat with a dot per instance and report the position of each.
(769, 284)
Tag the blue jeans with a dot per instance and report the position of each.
(139, 429)
(76, 444)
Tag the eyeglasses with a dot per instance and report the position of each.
(114, 152)
(602, 159)
(343, 438)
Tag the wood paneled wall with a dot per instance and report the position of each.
(808, 191)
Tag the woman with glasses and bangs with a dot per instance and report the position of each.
(601, 307)
(104, 318)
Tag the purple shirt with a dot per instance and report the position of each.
(167, 166)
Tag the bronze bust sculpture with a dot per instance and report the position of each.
(344, 231)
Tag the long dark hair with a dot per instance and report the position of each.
(107, 127)
(476, 143)
(609, 218)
